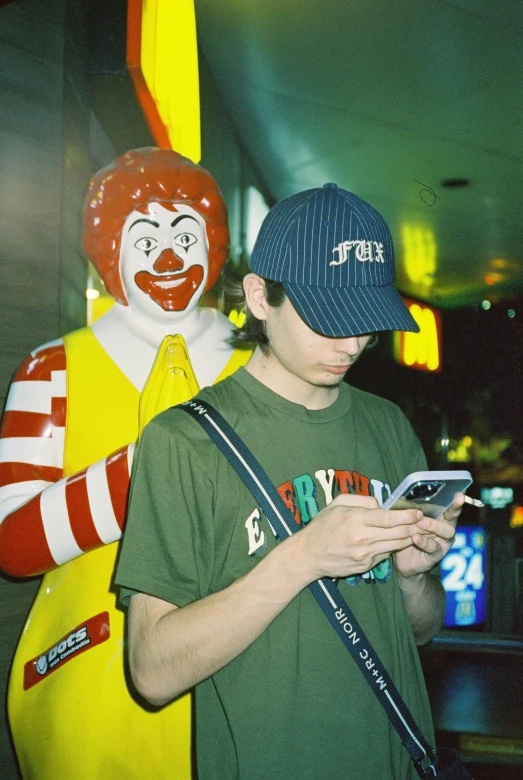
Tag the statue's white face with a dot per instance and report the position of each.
(164, 260)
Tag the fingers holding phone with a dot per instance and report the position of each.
(433, 492)
(353, 534)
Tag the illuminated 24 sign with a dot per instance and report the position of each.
(463, 571)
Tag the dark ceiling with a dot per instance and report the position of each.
(390, 99)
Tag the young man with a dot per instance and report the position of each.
(215, 601)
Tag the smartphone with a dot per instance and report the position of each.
(431, 491)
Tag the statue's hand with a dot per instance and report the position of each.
(170, 382)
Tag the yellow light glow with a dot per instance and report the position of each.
(500, 264)
(420, 350)
(493, 277)
(97, 307)
(169, 61)
(237, 317)
(458, 451)
(91, 293)
(516, 520)
(419, 253)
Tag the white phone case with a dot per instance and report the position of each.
(430, 491)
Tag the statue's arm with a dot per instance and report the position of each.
(46, 519)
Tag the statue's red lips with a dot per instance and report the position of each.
(172, 292)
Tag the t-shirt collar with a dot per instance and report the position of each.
(268, 397)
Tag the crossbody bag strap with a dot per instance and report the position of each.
(324, 590)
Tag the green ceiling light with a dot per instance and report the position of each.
(419, 253)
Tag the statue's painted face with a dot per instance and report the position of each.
(164, 259)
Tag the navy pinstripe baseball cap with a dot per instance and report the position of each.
(333, 253)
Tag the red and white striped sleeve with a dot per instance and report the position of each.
(46, 520)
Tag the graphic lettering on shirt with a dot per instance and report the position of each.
(300, 497)
(257, 538)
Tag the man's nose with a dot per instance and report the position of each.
(349, 345)
(167, 261)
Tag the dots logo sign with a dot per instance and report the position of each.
(93, 632)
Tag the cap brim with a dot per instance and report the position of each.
(351, 311)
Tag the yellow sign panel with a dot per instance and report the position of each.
(516, 519)
(420, 350)
(162, 56)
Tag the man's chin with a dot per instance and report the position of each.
(334, 382)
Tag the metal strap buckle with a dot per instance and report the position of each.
(426, 766)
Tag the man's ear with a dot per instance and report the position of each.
(255, 298)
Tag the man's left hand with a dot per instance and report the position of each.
(431, 543)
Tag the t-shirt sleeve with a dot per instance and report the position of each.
(418, 459)
(418, 462)
(413, 457)
(167, 545)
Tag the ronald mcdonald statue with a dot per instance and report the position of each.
(155, 227)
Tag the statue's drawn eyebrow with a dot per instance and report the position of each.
(143, 219)
(183, 216)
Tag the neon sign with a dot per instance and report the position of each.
(421, 350)
(463, 577)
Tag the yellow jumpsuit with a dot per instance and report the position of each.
(77, 720)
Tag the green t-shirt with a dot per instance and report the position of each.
(294, 704)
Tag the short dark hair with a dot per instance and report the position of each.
(253, 331)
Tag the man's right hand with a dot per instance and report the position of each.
(352, 534)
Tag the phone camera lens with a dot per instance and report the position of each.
(423, 491)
